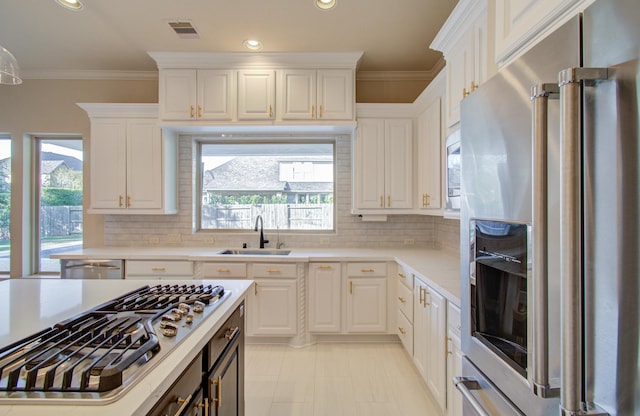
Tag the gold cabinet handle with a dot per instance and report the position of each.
(183, 403)
(389, 201)
(367, 270)
(473, 86)
(402, 275)
(273, 270)
(128, 201)
(255, 288)
(402, 330)
(401, 299)
(426, 293)
(223, 270)
(313, 111)
(191, 115)
(350, 287)
(320, 111)
(449, 341)
(325, 266)
(270, 111)
(199, 111)
(120, 201)
(381, 201)
(426, 200)
(158, 269)
(421, 295)
(464, 93)
(231, 332)
(218, 399)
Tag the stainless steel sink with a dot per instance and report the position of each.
(257, 251)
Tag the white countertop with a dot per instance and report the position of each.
(30, 305)
(440, 268)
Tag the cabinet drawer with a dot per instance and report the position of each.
(275, 270)
(405, 333)
(159, 268)
(224, 270)
(405, 301)
(405, 276)
(453, 318)
(366, 269)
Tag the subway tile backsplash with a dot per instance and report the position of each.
(351, 231)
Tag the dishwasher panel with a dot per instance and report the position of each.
(91, 269)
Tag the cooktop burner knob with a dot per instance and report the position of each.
(189, 319)
(177, 313)
(184, 307)
(198, 307)
(169, 318)
(169, 330)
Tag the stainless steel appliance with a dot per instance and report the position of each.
(91, 269)
(564, 166)
(102, 352)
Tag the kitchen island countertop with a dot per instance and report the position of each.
(440, 268)
(31, 305)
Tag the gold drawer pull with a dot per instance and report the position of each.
(350, 287)
(223, 270)
(402, 275)
(232, 332)
(158, 269)
(325, 266)
(402, 330)
(183, 403)
(218, 399)
(367, 270)
(273, 271)
(401, 299)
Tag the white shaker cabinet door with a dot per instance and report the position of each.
(335, 94)
(215, 94)
(108, 163)
(272, 307)
(324, 297)
(367, 305)
(144, 165)
(256, 94)
(297, 94)
(398, 166)
(177, 94)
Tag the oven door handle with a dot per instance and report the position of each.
(464, 386)
(540, 95)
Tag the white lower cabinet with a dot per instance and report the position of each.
(153, 269)
(367, 304)
(271, 307)
(429, 339)
(324, 297)
(405, 332)
(454, 360)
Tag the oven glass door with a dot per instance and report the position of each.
(499, 290)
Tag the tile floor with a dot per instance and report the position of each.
(350, 379)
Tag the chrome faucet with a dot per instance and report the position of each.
(262, 240)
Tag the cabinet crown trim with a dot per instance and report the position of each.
(275, 60)
(462, 16)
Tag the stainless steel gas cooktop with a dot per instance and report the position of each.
(98, 354)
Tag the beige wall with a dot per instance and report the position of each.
(49, 107)
(389, 91)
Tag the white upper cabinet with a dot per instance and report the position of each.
(306, 94)
(466, 40)
(383, 164)
(266, 88)
(189, 94)
(256, 94)
(521, 23)
(133, 162)
(429, 155)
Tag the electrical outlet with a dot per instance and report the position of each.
(209, 240)
(324, 241)
(409, 241)
(154, 240)
(174, 238)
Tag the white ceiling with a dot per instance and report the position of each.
(115, 35)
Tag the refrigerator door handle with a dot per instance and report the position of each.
(464, 386)
(571, 82)
(540, 95)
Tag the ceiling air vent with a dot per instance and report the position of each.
(184, 29)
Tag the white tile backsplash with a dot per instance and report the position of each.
(351, 231)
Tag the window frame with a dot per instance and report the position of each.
(258, 139)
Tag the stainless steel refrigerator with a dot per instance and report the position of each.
(550, 225)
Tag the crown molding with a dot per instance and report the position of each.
(311, 60)
(88, 74)
(463, 15)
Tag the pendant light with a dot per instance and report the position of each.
(9, 70)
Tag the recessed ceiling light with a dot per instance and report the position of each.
(70, 4)
(325, 4)
(252, 44)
